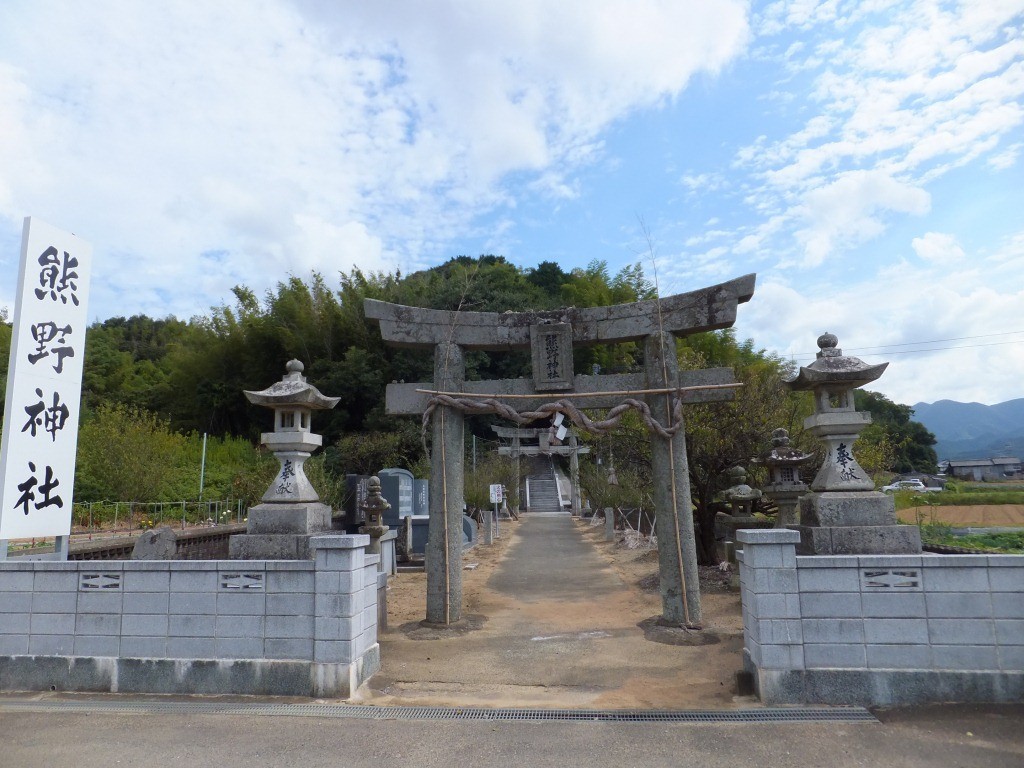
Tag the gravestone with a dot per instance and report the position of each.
(356, 492)
(420, 497)
(396, 485)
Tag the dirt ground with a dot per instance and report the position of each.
(980, 515)
(596, 652)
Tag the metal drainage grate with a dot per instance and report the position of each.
(766, 715)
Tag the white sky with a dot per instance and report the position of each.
(862, 157)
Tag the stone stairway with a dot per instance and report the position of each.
(543, 488)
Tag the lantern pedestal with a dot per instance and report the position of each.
(275, 546)
(849, 523)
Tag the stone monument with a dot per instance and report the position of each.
(280, 527)
(844, 514)
(158, 544)
(786, 486)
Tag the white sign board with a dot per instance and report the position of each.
(44, 384)
(496, 494)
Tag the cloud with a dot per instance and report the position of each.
(887, 317)
(938, 248)
(702, 182)
(520, 86)
(903, 94)
(300, 135)
(851, 210)
(1007, 158)
(1010, 253)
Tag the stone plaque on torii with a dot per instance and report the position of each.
(551, 335)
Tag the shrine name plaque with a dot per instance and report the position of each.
(551, 344)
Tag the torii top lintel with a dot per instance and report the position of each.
(706, 309)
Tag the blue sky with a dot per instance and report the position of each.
(864, 159)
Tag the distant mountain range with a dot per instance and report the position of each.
(973, 430)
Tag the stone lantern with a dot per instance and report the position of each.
(844, 515)
(291, 511)
(741, 498)
(374, 508)
(785, 487)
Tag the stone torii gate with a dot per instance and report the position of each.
(551, 335)
(543, 448)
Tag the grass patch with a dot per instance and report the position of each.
(989, 487)
(1002, 543)
(968, 498)
(934, 532)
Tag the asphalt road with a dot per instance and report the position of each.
(973, 737)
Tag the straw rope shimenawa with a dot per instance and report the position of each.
(479, 404)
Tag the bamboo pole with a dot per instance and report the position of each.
(624, 392)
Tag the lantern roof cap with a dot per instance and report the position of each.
(832, 368)
(291, 390)
(782, 453)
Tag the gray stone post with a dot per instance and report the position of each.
(609, 523)
(677, 547)
(574, 471)
(773, 640)
(345, 649)
(519, 480)
(487, 518)
(444, 540)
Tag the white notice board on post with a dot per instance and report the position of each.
(496, 493)
(44, 383)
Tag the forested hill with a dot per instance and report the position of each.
(192, 373)
(152, 386)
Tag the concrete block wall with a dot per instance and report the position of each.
(227, 626)
(874, 629)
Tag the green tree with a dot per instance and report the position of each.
(594, 286)
(126, 361)
(125, 454)
(368, 453)
(549, 277)
(911, 441)
(721, 435)
(5, 354)
(493, 469)
(718, 435)
(874, 450)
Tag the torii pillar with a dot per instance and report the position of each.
(447, 480)
(677, 544)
